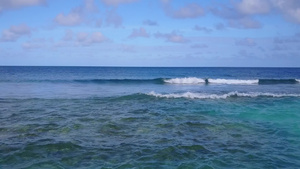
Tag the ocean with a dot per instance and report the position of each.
(134, 117)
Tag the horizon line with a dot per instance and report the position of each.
(151, 66)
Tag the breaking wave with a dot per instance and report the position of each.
(233, 81)
(194, 80)
(186, 80)
(179, 81)
(191, 95)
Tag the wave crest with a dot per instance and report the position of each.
(161, 81)
(186, 80)
(232, 81)
(191, 95)
(194, 80)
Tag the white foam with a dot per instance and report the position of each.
(187, 95)
(185, 80)
(298, 80)
(232, 81)
(194, 80)
(192, 95)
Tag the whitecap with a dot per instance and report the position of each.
(185, 80)
(233, 81)
(192, 95)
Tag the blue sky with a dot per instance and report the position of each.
(200, 33)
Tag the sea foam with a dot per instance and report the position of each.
(232, 81)
(192, 95)
(194, 80)
(185, 80)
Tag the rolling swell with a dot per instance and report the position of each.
(193, 95)
(277, 81)
(192, 81)
(153, 95)
(123, 81)
(177, 81)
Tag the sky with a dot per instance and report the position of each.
(184, 33)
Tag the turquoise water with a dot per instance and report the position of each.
(80, 117)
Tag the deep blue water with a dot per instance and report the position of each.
(122, 117)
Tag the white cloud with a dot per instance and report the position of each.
(244, 23)
(97, 37)
(171, 37)
(71, 19)
(139, 33)
(165, 1)
(192, 10)
(90, 6)
(235, 18)
(117, 2)
(77, 15)
(13, 4)
(87, 39)
(254, 6)
(295, 15)
(15, 32)
(75, 39)
(240, 14)
(289, 8)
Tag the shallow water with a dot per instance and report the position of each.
(117, 125)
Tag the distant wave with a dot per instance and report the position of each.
(186, 80)
(178, 81)
(233, 81)
(194, 80)
(122, 81)
(278, 81)
(192, 95)
(97, 81)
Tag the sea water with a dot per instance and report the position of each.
(130, 117)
